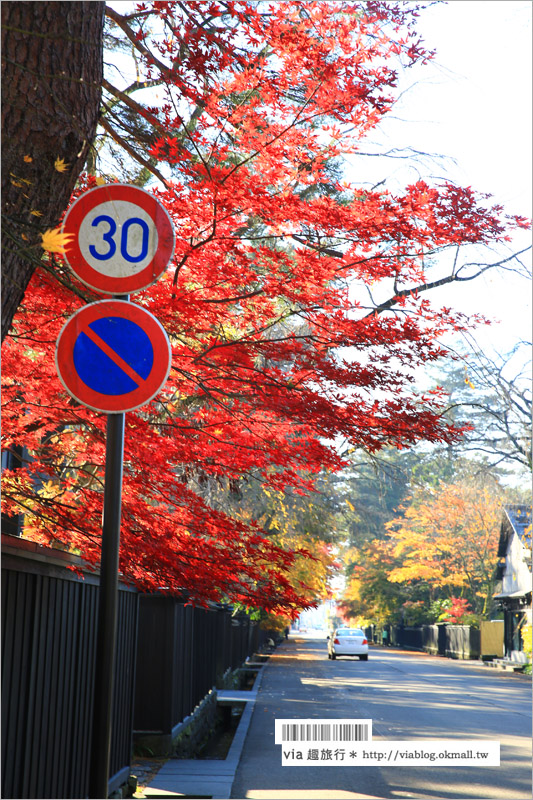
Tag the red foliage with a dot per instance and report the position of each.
(458, 609)
(259, 300)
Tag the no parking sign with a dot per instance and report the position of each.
(113, 356)
(122, 238)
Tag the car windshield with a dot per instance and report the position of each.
(349, 632)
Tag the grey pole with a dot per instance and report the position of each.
(107, 610)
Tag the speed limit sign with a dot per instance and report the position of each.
(122, 238)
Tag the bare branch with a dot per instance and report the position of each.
(140, 160)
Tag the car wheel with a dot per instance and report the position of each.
(363, 658)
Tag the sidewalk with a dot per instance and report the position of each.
(499, 664)
(205, 778)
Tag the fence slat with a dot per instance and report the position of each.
(48, 636)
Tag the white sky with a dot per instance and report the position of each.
(474, 104)
(483, 101)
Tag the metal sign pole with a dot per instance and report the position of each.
(107, 610)
(106, 634)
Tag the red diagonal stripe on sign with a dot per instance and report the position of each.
(113, 355)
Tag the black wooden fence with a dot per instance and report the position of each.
(183, 651)
(49, 618)
(453, 641)
(48, 645)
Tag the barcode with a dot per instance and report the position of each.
(324, 732)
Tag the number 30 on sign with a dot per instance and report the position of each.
(122, 238)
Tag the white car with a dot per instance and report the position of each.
(348, 642)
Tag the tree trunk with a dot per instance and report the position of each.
(52, 65)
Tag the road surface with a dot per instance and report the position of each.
(410, 697)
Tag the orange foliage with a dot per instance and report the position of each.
(448, 538)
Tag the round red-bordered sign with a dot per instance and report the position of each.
(122, 238)
(113, 356)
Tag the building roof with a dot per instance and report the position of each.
(520, 519)
(517, 519)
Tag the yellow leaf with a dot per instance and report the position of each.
(22, 180)
(100, 181)
(28, 159)
(467, 380)
(352, 508)
(60, 165)
(36, 213)
(53, 241)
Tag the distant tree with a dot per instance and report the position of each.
(492, 393)
(448, 539)
(440, 553)
(369, 595)
(372, 486)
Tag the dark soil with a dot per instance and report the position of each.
(218, 746)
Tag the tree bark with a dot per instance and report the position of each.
(52, 70)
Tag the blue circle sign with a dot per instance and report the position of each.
(133, 355)
(113, 356)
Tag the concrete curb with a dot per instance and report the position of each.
(242, 728)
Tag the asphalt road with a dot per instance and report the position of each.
(410, 697)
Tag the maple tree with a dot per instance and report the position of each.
(276, 350)
(432, 557)
(458, 611)
(436, 563)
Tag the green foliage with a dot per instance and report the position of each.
(374, 487)
(370, 490)
(439, 609)
(416, 612)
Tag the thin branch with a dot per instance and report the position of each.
(131, 103)
(140, 160)
(119, 20)
(235, 299)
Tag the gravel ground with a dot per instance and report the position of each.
(145, 770)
